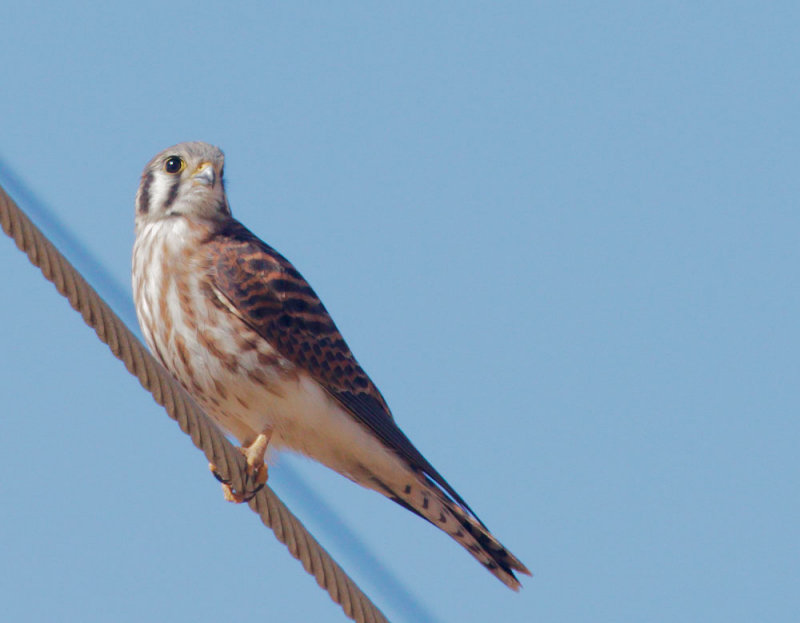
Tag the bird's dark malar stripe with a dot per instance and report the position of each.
(173, 192)
(144, 196)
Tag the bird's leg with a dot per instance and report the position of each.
(254, 453)
(257, 473)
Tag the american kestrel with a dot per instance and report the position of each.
(243, 332)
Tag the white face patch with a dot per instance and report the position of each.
(162, 188)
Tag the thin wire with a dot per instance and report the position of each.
(205, 435)
(347, 541)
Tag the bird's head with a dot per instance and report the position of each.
(183, 180)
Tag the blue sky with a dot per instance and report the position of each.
(561, 237)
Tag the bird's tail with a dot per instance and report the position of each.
(429, 502)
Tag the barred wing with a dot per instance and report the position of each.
(274, 299)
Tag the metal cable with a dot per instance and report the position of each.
(179, 405)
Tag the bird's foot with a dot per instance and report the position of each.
(257, 472)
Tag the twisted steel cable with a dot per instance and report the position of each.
(229, 462)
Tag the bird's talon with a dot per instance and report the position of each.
(214, 471)
(256, 471)
(231, 495)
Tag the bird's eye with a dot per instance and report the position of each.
(174, 164)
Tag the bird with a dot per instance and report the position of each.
(247, 337)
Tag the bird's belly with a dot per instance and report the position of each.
(237, 376)
(247, 388)
(304, 418)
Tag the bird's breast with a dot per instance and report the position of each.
(217, 358)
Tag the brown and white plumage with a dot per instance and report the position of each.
(244, 333)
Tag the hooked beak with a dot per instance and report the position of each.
(205, 175)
